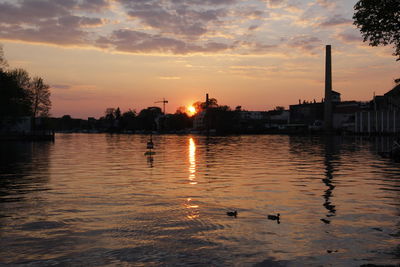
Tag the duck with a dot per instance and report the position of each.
(274, 217)
(232, 213)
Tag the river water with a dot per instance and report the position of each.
(97, 200)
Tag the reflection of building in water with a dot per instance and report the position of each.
(328, 180)
(192, 208)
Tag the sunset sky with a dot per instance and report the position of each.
(258, 54)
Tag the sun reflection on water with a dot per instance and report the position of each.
(192, 162)
(193, 208)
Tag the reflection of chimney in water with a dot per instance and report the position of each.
(328, 90)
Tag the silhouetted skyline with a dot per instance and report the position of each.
(258, 53)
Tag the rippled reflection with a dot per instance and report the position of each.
(192, 161)
(328, 180)
(92, 200)
(193, 211)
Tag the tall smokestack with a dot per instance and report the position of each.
(328, 90)
(207, 100)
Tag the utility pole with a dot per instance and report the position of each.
(164, 102)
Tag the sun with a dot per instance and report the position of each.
(191, 110)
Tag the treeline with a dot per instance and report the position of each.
(116, 121)
(210, 117)
(21, 95)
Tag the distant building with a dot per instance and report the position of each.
(335, 97)
(277, 119)
(382, 115)
(198, 121)
(252, 115)
(306, 113)
(311, 114)
(344, 114)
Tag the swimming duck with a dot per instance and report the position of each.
(274, 217)
(232, 213)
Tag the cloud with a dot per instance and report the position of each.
(276, 3)
(93, 5)
(169, 78)
(174, 17)
(46, 32)
(60, 86)
(170, 26)
(305, 42)
(135, 41)
(336, 20)
(46, 21)
(326, 3)
(349, 37)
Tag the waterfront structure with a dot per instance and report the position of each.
(328, 91)
(382, 116)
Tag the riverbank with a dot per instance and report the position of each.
(33, 136)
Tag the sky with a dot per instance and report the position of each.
(258, 54)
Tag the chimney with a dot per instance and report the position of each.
(328, 91)
(207, 100)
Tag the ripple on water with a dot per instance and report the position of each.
(96, 200)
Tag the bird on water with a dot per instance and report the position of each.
(274, 217)
(232, 213)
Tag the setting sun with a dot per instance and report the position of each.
(191, 110)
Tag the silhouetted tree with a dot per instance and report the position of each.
(379, 22)
(181, 109)
(117, 114)
(176, 122)
(3, 61)
(40, 97)
(21, 76)
(14, 101)
(128, 120)
(201, 106)
(109, 114)
(147, 118)
(223, 119)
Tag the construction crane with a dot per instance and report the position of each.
(164, 102)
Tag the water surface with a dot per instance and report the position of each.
(96, 200)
